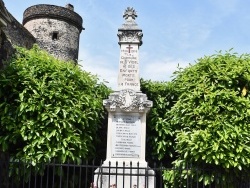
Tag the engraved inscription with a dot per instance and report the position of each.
(129, 68)
(126, 142)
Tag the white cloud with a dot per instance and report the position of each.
(225, 7)
(189, 35)
(158, 70)
(100, 66)
(162, 69)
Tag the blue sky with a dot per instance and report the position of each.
(174, 32)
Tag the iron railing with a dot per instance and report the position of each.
(91, 175)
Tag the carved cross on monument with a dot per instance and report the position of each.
(129, 47)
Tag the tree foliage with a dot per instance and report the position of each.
(49, 109)
(210, 118)
(160, 134)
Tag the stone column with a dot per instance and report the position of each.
(130, 38)
(125, 164)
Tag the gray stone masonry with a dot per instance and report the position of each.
(56, 29)
(12, 33)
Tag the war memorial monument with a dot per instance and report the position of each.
(125, 164)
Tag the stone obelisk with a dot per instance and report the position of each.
(125, 164)
(130, 39)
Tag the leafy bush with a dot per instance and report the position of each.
(202, 118)
(212, 116)
(49, 109)
(160, 133)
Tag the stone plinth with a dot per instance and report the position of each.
(126, 125)
(124, 175)
(125, 163)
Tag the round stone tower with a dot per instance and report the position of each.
(56, 29)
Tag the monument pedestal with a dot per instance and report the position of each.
(125, 165)
(124, 175)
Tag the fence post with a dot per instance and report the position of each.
(4, 170)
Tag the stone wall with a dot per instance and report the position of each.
(56, 29)
(12, 33)
(18, 35)
(63, 46)
(54, 12)
(6, 49)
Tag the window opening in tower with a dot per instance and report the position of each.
(55, 35)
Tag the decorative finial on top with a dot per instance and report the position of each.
(130, 13)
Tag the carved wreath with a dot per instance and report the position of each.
(127, 100)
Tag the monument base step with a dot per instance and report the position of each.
(124, 175)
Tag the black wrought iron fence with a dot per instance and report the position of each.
(91, 175)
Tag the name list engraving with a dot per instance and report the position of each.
(126, 141)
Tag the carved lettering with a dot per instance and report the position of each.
(126, 142)
(123, 57)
